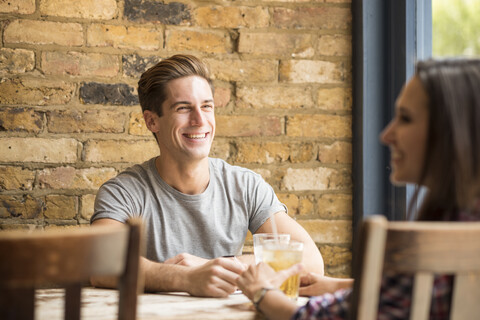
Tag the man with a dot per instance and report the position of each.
(196, 209)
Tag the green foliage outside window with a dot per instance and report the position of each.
(456, 27)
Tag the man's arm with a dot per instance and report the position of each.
(312, 258)
(215, 278)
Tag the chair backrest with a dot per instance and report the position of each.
(422, 249)
(67, 259)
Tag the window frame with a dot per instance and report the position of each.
(388, 38)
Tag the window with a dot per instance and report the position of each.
(455, 28)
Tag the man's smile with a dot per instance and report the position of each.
(195, 135)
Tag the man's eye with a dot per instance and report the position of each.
(207, 106)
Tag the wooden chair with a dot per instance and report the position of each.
(422, 249)
(67, 259)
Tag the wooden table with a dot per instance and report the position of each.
(102, 304)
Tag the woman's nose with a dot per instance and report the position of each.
(386, 136)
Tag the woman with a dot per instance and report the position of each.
(434, 141)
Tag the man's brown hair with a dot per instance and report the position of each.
(153, 82)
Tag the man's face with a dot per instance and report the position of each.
(186, 129)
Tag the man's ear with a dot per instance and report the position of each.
(151, 120)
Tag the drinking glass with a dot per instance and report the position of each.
(258, 240)
(282, 255)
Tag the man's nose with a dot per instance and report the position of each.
(196, 117)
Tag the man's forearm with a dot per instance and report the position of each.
(158, 277)
(163, 277)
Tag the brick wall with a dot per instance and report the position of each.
(70, 119)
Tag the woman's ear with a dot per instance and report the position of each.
(151, 120)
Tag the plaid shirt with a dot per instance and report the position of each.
(395, 295)
(394, 304)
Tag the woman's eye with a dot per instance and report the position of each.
(405, 118)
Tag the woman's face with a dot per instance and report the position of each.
(406, 134)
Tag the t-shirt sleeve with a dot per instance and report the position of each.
(264, 203)
(113, 202)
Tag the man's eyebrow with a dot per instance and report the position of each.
(188, 103)
(179, 102)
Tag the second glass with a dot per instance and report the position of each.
(258, 240)
(282, 256)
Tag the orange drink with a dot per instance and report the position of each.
(281, 256)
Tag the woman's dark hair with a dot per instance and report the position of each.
(153, 82)
(452, 161)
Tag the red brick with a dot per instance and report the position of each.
(208, 41)
(16, 178)
(63, 178)
(17, 6)
(86, 9)
(317, 179)
(275, 97)
(232, 17)
(247, 126)
(316, 18)
(21, 120)
(87, 205)
(39, 150)
(244, 70)
(44, 32)
(61, 207)
(66, 121)
(130, 151)
(319, 126)
(80, 64)
(335, 206)
(312, 71)
(16, 60)
(329, 231)
(21, 206)
(35, 92)
(337, 152)
(273, 152)
(124, 37)
(286, 44)
(137, 125)
(335, 45)
(222, 96)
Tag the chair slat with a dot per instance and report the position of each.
(421, 295)
(68, 258)
(424, 249)
(434, 246)
(466, 293)
(73, 294)
(369, 280)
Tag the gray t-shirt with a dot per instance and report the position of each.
(209, 225)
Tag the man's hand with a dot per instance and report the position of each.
(263, 276)
(314, 284)
(186, 259)
(216, 278)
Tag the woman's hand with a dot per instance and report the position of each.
(274, 305)
(262, 275)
